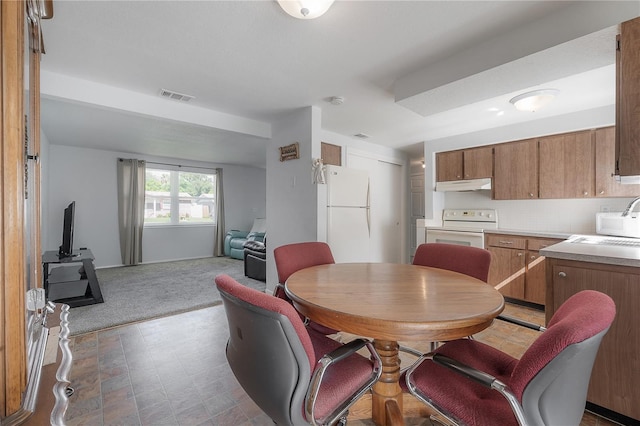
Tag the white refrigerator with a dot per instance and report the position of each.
(348, 214)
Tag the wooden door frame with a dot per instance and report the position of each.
(12, 238)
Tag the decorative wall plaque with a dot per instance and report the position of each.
(289, 152)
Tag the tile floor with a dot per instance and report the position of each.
(173, 371)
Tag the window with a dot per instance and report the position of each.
(175, 197)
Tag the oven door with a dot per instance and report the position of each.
(464, 238)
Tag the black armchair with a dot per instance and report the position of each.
(255, 260)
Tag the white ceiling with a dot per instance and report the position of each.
(410, 71)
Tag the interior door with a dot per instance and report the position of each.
(388, 207)
(416, 206)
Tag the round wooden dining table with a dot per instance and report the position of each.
(393, 303)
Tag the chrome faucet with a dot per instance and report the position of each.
(630, 207)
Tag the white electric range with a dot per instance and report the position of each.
(463, 227)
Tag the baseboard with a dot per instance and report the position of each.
(160, 261)
(531, 305)
(611, 415)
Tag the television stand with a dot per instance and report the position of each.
(74, 283)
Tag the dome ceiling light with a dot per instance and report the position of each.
(305, 9)
(533, 101)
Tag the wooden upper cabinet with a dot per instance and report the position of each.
(567, 165)
(516, 170)
(331, 154)
(478, 162)
(570, 165)
(469, 163)
(606, 184)
(628, 99)
(449, 166)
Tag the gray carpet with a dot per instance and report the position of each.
(136, 293)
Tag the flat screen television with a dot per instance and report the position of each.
(66, 249)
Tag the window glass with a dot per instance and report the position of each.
(175, 197)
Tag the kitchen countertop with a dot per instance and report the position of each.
(539, 234)
(597, 249)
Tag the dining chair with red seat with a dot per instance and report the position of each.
(472, 261)
(294, 374)
(472, 383)
(293, 257)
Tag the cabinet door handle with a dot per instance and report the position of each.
(533, 256)
(519, 254)
(531, 194)
(562, 274)
(506, 242)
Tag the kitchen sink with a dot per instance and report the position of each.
(615, 224)
(604, 241)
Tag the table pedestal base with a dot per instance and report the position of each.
(386, 393)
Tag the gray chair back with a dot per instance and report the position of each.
(556, 395)
(267, 356)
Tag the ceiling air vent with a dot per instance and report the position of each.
(361, 136)
(175, 95)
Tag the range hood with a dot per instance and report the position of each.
(628, 180)
(464, 185)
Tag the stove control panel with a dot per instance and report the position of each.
(470, 215)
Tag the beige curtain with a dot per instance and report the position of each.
(131, 186)
(218, 244)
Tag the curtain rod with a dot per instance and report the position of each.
(177, 165)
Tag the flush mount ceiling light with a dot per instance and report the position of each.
(533, 101)
(305, 9)
(336, 100)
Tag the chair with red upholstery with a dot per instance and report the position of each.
(294, 374)
(471, 383)
(291, 258)
(472, 261)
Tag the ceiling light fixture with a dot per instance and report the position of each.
(336, 100)
(305, 9)
(533, 101)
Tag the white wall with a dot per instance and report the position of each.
(566, 215)
(88, 177)
(573, 216)
(291, 194)
(295, 205)
(44, 190)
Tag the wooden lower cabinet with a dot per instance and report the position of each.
(507, 271)
(616, 372)
(535, 289)
(517, 269)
